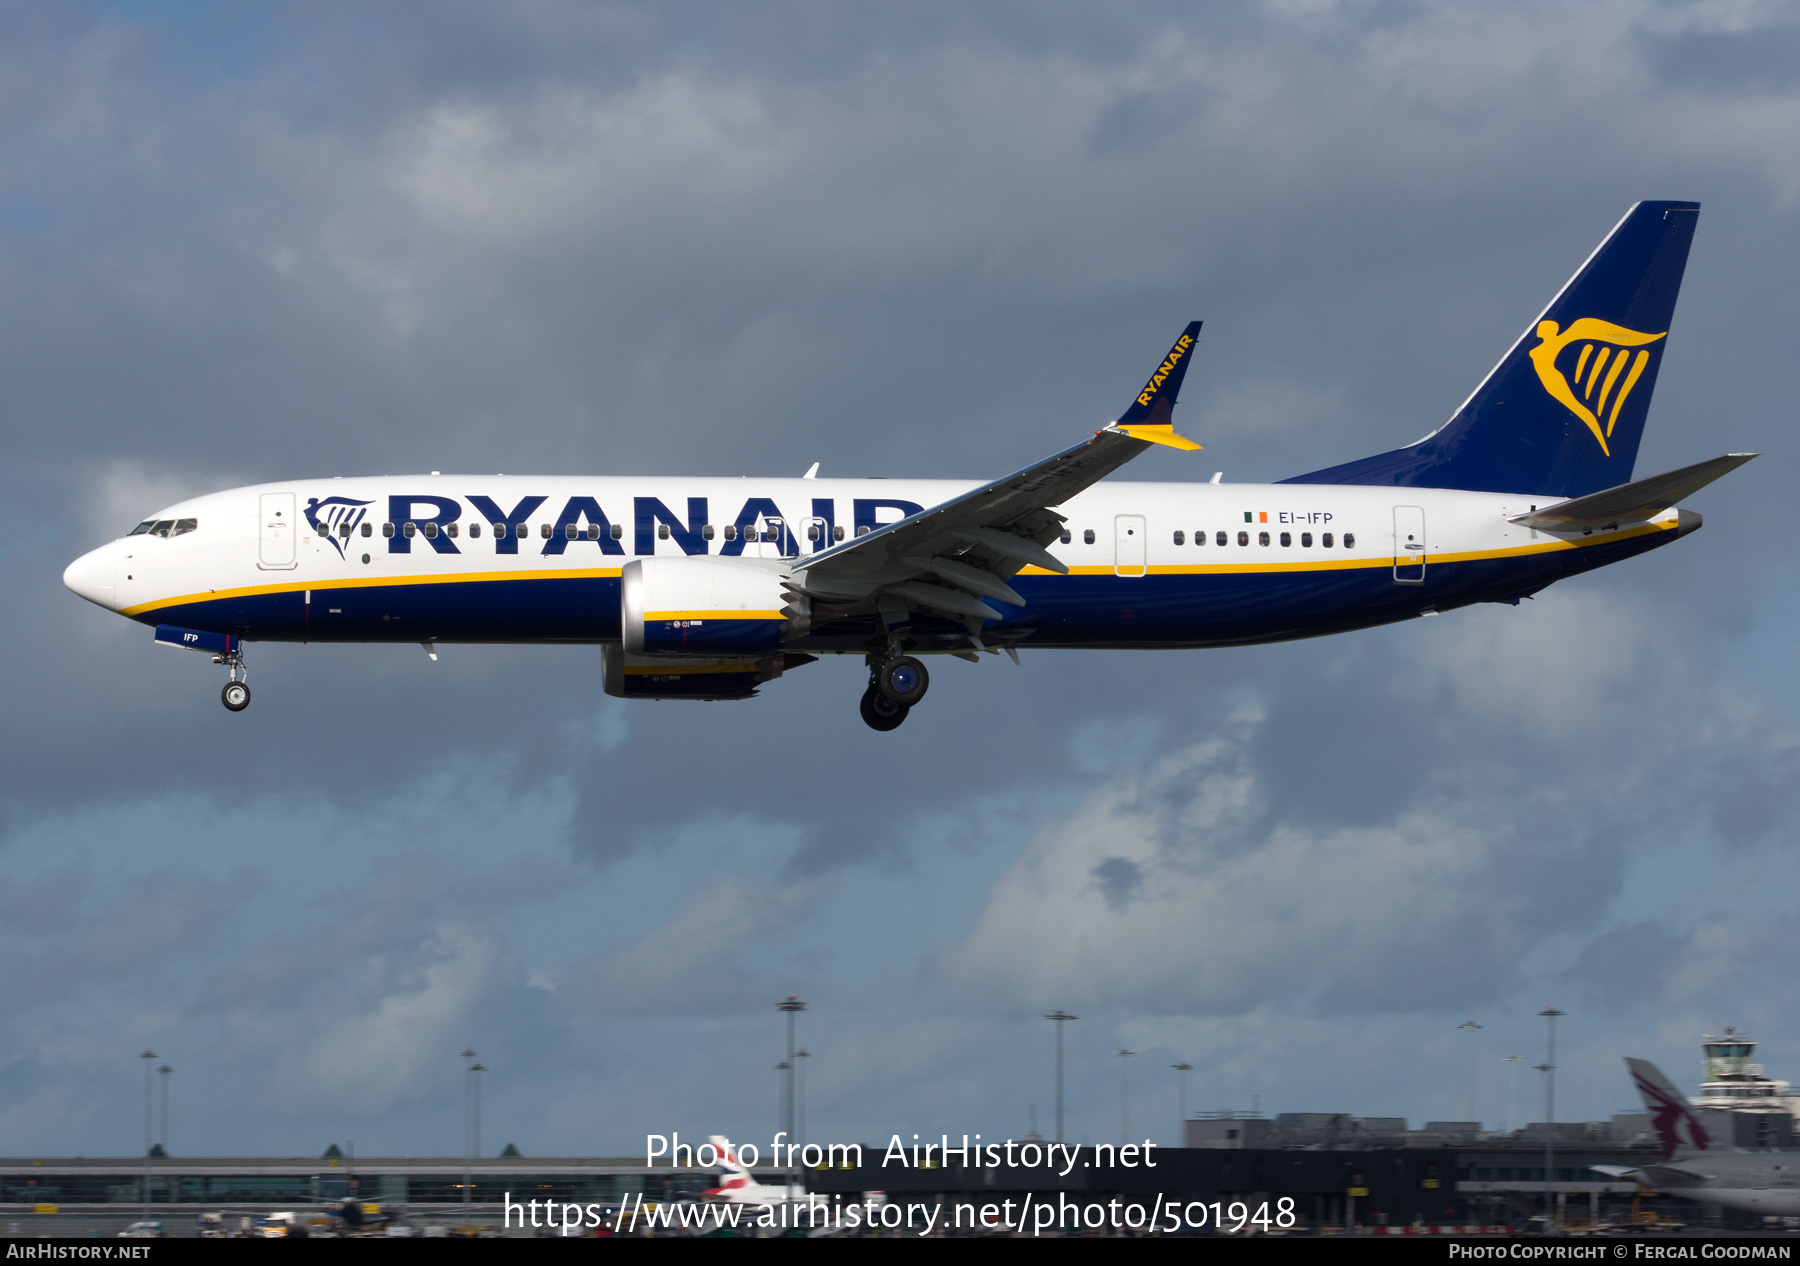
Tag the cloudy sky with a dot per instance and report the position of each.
(242, 243)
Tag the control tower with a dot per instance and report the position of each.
(1731, 1079)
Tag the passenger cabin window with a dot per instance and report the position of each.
(1325, 540)
(1306, 540)
(387, 529)
(1287, 539)
(344, 530)
(618, 531)
(1349, 540)
(184, 526)
(1262, 538)
(411, 529)
(662, 531)
(593, 531)
(431, 531)
(1067, 537)
(568, 531)
(863, 530)
(368, 529)
(1180, 537)
(451, 529)
(706, 532)
(837, 533)
(544, 530)
(1243, 538)
(1087, 537)
(1199, 538)
(812, 532)
(474, 531)
(1219, 539)
(731, 531)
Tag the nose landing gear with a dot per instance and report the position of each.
(895, 685)
(236, 695)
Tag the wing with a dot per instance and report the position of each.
(948, 558)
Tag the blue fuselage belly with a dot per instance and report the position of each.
(1083, 610)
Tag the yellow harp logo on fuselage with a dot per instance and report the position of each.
(1605, 370)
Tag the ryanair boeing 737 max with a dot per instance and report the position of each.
(706, 588)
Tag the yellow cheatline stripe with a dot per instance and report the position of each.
(369, 582)
(1178, 569)
(714, 615)
(1376, 561)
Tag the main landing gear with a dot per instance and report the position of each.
(236, 695)
(895, 685)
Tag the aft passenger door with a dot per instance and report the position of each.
(1409, 545)
(1129, 545)
(277, 539)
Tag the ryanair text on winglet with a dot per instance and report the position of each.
(1165, 369)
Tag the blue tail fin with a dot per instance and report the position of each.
(1563, 411)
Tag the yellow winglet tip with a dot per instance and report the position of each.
(1161, 435)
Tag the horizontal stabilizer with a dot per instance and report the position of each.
(1640, 499)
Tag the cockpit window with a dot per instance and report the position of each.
(142, 528)
(162, 528)
(184, 526)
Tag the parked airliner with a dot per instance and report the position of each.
(699, 588)
(1698, 1166)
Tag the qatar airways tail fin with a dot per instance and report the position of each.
(1563, 411)
(1671, 1115)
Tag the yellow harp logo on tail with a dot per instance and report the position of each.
(1605, 370)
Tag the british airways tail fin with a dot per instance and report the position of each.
(1563, 411)
(1671, 1115)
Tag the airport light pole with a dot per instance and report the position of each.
(477, 1070)
(468, 1125)
(1181, 1071)
(1469, 1028)
(781, 1071)
(148, 1057)
(800, 1096)
(165, 1070)
(1549, 1069)
(1512, 1092)
(1125, 1058)
(1061, 1017)
(792, 1007)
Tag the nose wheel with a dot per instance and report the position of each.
(236, 695)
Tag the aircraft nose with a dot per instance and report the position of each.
(91, 576)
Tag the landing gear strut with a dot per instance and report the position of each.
(895, 685)
(236, 695)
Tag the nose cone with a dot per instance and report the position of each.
(91, 576)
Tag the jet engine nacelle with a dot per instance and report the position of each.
(705, 606)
